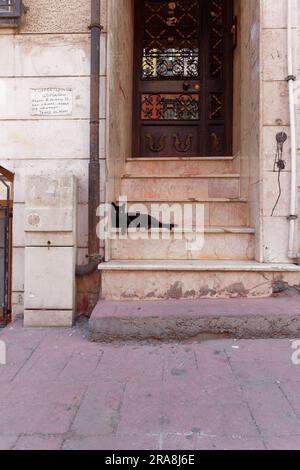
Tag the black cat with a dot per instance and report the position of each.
(143, 221)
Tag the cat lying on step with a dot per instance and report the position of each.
(136, 220)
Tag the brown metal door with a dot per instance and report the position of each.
(183, 78)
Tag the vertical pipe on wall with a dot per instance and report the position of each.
(293, 250)
(94, 163)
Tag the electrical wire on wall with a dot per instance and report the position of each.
(279, 164)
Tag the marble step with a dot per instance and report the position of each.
(217, 212)
(216, 243)
(163, 280)
(170, 189)
(176, 167)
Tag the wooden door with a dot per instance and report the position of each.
(183, 78)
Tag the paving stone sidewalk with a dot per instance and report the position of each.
(60, 391)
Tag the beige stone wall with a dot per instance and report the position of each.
(250, 27)
(51, 49)
(264, 113)
(275, 118)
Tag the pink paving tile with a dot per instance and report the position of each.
(60, 378)
(100, 409)
(234, 443)
(210, 420)
(263, 371)
(214, 368)
(141, 409)
(180, 364)
(132, 364)
(272, 350)
(271, 410)
(190, 441)
(61, 390)
(292, 392)
(7, 441)
(129, 442)
(198, 391)
(43, 366)
(39, 442)
(18, 354)
(283, 443)
(28, 417)
(81, 367)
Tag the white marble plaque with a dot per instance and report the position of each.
(51, 102)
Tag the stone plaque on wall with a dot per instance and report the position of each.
(51, 102)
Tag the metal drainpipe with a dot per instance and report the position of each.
(293, 217)
(94, 163)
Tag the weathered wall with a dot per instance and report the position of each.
(264, 113)
(51, 49)
(250, 26)
(275, 118)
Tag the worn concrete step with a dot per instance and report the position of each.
(217, 212)
(215, 243)
(170, 189)
(168, 279)
(181, 320)
(179, 167)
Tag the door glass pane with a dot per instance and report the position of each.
(171, 40)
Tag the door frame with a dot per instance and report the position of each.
(204, 121)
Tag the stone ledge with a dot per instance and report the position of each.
(182, 320)
(194, 266)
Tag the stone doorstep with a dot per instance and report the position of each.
(187, 319)
(201, 266)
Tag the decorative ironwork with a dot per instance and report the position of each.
(170, 107)
(156, 145)
(216, 106)
(184, 61)
(216, 38)
(183, 146)
(171, 39)
(216, 143)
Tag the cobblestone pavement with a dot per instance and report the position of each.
(60, 391)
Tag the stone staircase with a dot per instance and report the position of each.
(171, 267)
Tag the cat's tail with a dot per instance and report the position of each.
(168, 226)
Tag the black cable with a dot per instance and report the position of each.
(280, 193)
(279, 163)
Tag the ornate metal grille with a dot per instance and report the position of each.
(171, 39)
(216, 106)
(10, 8)
(170, 107)
(216, 40)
